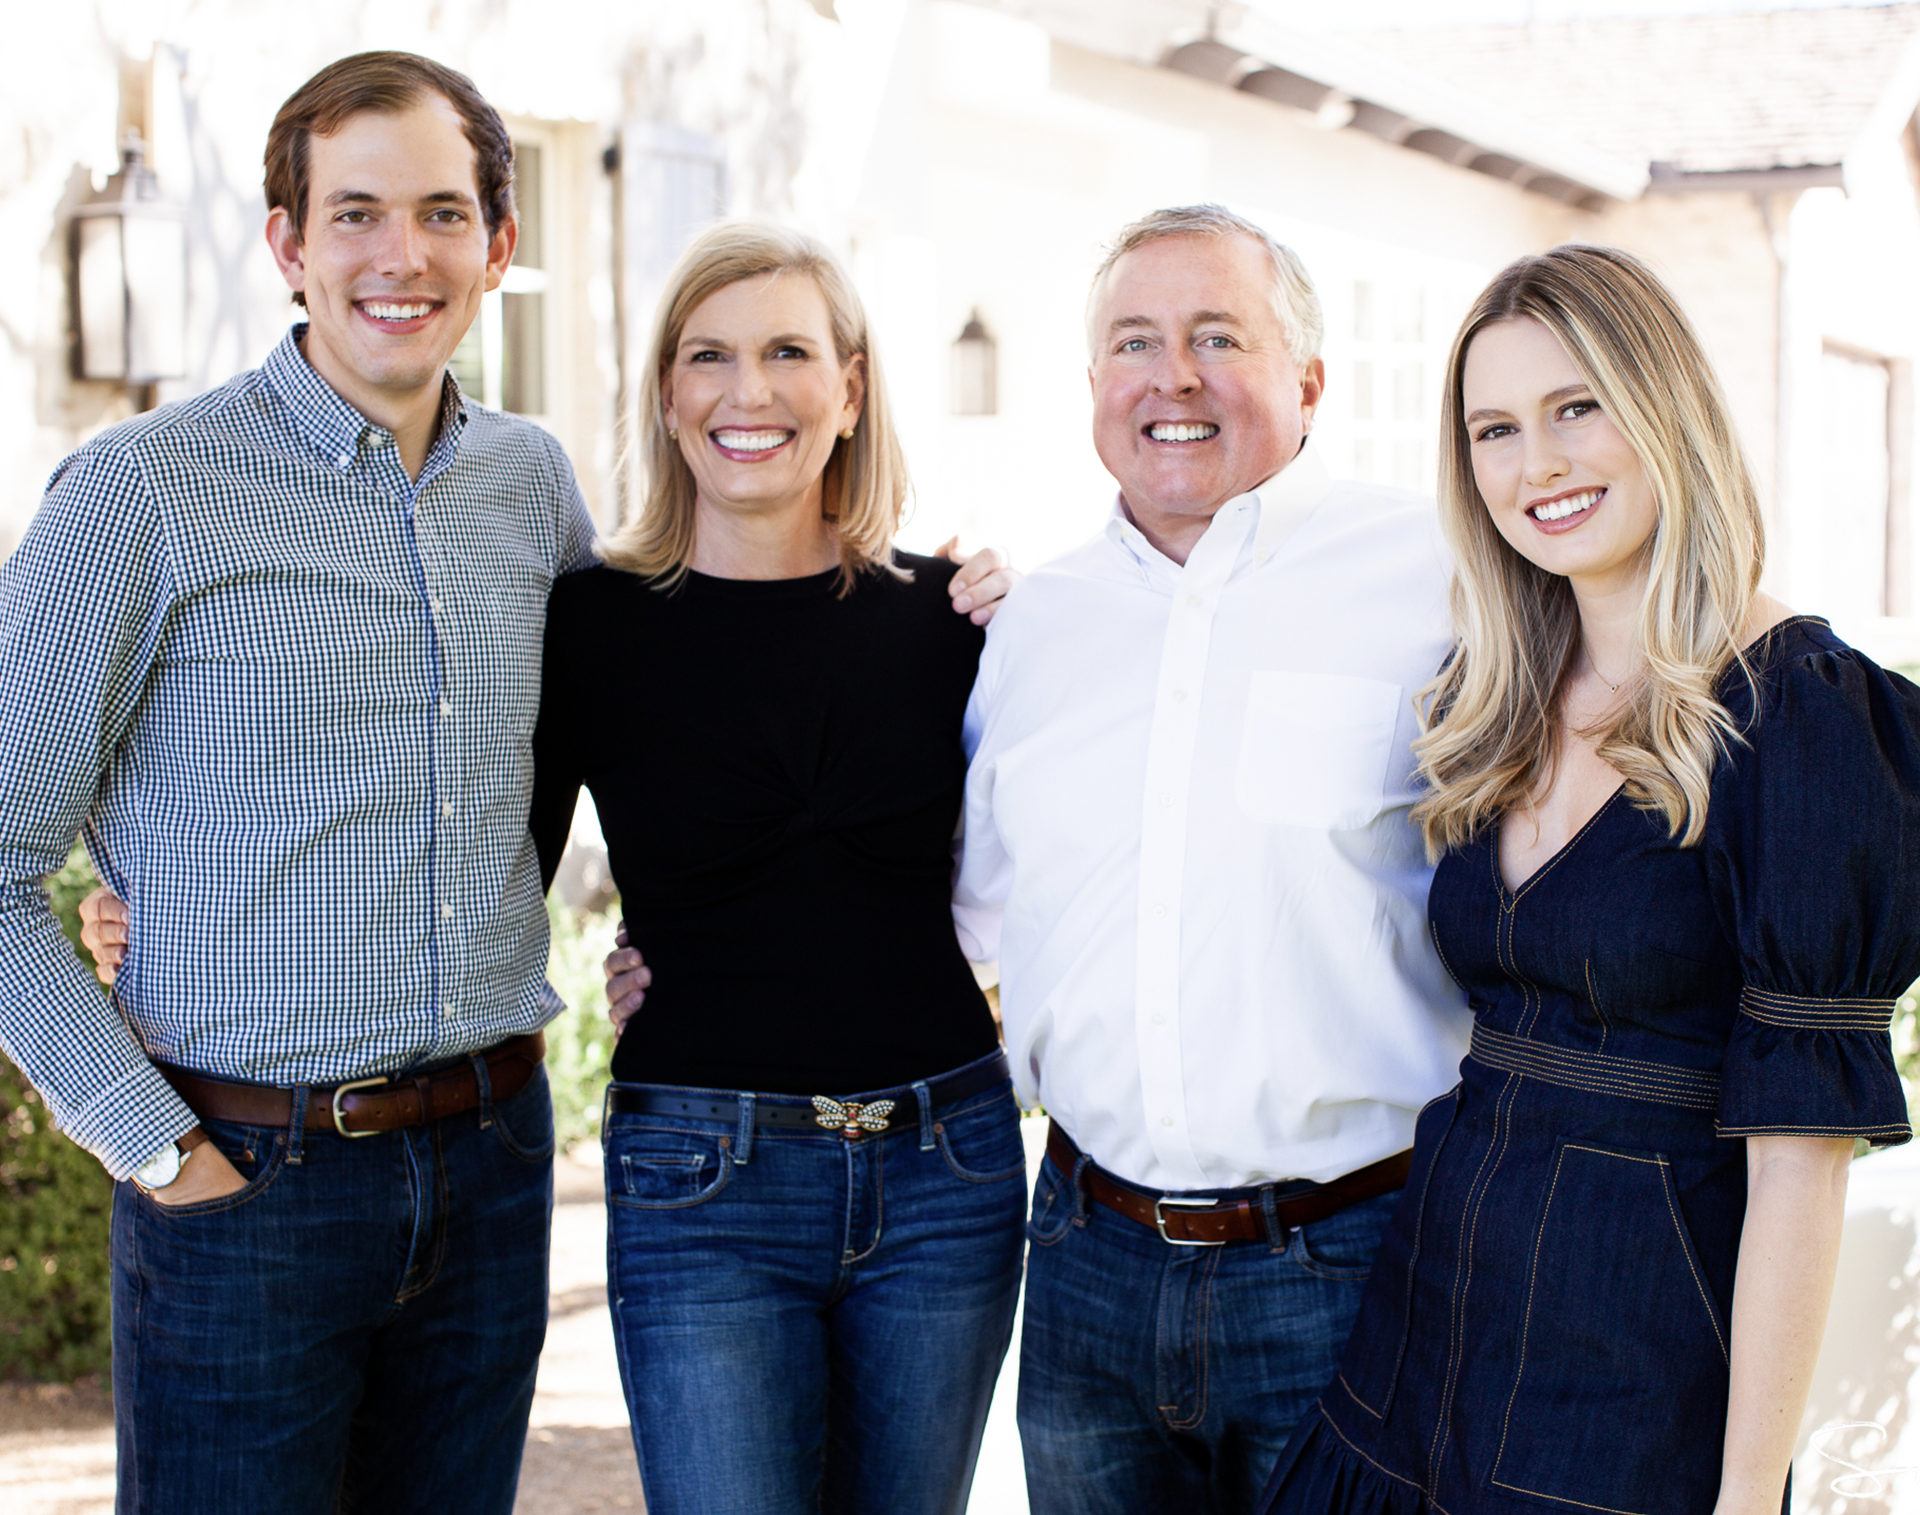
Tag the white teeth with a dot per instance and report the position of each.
(1573, 504)
(1167, 431)
(750, 441)
(386, 312)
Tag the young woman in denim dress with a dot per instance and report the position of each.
(1681, 830)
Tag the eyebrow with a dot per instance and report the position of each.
(1564, 392)
(785, 339)
(1198, 318)
(367, 197)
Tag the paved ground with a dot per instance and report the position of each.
(56, 1442)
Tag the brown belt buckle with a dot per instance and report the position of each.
(340, 1116)
(1160, 1219)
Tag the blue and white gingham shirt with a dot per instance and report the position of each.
(288, 694)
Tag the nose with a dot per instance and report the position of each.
(750, 388)
(1176, 374)
(403, 249)
(1543, 457)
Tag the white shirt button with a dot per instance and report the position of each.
(446, 808)
(448, 1007)
(446, 706)
(1166, 799)
(1179, 694)
(437, 606)
(1158, 1019)
(1166, 1120)
(446, 912)
(1194, 601)
(1159, 909)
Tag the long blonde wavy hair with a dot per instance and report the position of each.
(1493, 737)
(864, 486)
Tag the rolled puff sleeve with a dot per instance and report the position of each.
(1813, 851)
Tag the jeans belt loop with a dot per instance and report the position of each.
(1277, 1235)
(1080, 1189)
(743, 1142)
(297, 1125)
(925, 1095)
(485, 1087)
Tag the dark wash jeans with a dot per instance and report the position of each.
(356, 1330)
(819, 1325)
(1158, 1378)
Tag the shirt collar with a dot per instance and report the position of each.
(331, 426)
(1279, 506)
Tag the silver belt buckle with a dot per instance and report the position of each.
(1195, 1203)
(339, 1115)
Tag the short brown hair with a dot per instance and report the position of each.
(384, 82)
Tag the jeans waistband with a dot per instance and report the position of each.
(870, 1113)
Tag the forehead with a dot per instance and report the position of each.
(785, 302)
(1517, 359)
(423, 149)
(1169, 279)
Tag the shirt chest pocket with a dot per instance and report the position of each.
(1316, 749)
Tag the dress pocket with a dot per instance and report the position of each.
(1315, 749)
(1623, 1350)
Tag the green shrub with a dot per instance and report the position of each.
(580, 1043)
(55, 1206)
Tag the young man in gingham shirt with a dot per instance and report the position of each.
(276, 651)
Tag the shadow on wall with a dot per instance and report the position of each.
(1869, 1364)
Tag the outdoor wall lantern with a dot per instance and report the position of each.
(130, 278)
(975, 360)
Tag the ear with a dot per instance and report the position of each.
(666, 400)
(500, 251)
(856, 391)
(283, 241)
(1313, 386)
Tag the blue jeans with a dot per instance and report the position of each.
(815, 1322)
(1159, 1378)
(357, 1329)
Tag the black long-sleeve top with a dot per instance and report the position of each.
(778, 773)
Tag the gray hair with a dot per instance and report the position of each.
(1294, 301)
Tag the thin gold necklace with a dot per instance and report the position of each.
(1587, 653)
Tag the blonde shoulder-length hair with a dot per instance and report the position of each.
(1493, 737)
(864, 486)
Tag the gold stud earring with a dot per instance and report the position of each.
(672, 435)
(846, 435)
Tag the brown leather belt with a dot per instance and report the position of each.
(1188, 1220)
(366, 1106)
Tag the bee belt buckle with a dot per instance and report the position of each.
(852, 1118)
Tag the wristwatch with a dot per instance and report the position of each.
(164, 1166)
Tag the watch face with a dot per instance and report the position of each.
(159, 1170)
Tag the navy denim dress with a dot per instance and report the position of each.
(1547, 1321)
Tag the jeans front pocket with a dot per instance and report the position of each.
(1054, 1208)
(524, 1123)
(666, 1167)
(243, 1147)
(982, 1143)
(1623, 1348)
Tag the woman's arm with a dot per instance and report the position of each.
(1789, 1247)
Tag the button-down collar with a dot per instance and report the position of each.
(331, 426)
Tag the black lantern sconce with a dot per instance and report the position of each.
(975, 370)
(130, 278)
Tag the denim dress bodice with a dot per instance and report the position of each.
(1548, 1318)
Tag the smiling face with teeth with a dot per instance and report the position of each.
(1196, 398)
(759, 396)
(393, 260)
(1562, 484)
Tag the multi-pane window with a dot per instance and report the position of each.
(503, 357)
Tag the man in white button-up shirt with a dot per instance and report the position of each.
(1187, 845)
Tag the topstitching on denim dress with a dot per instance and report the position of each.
(1547, 1322)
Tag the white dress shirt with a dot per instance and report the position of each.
(1186, 838)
